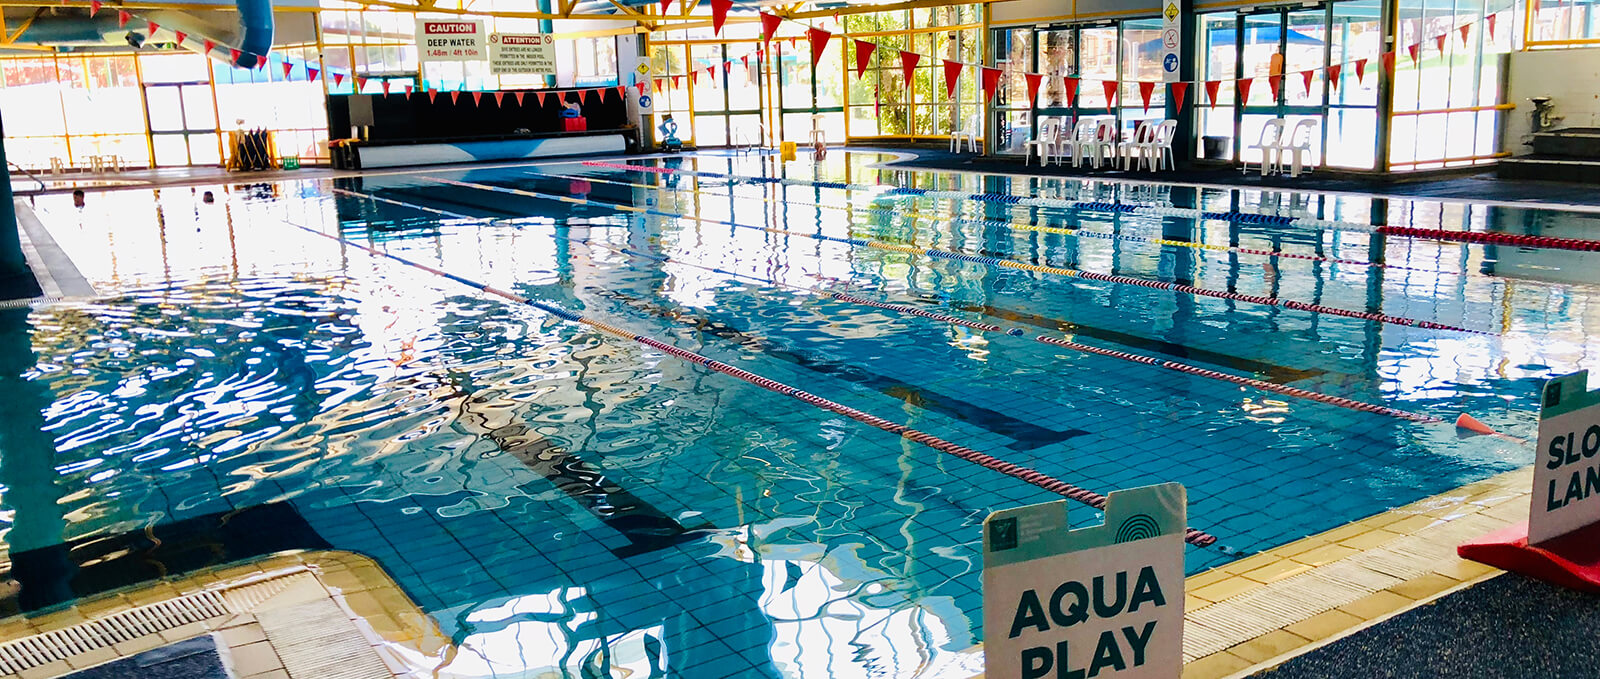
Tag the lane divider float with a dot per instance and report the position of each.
(1018, 226)
(994, 261)
(1447, 235)
(1030, 476)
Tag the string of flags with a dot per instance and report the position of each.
(818, 40)
(989, 77)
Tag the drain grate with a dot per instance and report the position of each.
(42, 649)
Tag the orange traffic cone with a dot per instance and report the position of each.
(1472, 424)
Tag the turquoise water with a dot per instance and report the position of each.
(562, 500)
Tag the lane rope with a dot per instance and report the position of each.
(991, 261)
(1262, 385)
(1017, 226)
(1236, 216)
(1030, 476)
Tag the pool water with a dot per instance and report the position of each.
(564, 501)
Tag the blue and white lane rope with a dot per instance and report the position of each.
(1030, 476)
(988, 261)
(1074, 232)
(1021, 201)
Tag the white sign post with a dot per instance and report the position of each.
(1103, 602)
(450, 40)
(1566, 472)
(1171, 41)
(522, 53)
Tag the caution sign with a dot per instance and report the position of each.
(450, 40)
(522, 53)
(1102, 602)
(1566, 473)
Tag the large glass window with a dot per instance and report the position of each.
(883, 104)
(1445, 101)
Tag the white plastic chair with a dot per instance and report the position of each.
(1296, 144)
(1158, 149)
(818, 135)
(1047, 144)
(1143, 133)
(969, 133)
(1082, 134)
(1270, 145)
(1101, 144)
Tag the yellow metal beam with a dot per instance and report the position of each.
(631, 14)
(11, 38)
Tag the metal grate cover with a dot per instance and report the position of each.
(42, 649)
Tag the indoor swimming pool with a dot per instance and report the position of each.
(750, 457)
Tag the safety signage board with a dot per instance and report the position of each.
(528, 53)
(1566, 471)
(1171, 41)
(1104, 601)
(450, 40)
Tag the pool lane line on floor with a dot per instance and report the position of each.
(987, 260)
(1077, 232)
(1445, 235)
(1030, 476)
(1327, 399)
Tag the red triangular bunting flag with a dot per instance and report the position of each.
(600, 94)
(385, 85)
(518, 96)
(94, 7)
(338, 79)
(1412, 49)
(1244, 90)
(1179, 89)
(863, 55)
(151, 25)
(1439, 40)
(991, 81)
(1388, 63)
(233, 56)
(1490, 21)
(769, 26)
(123, 17)
(407, 90)
(1033, 80)
(1211, 91)
(1275, 83)
(1333, 76)
(312, 73)
(694, 77)
(361, 84)
(640, 86)
(819, 42)
(727, 66)
(583, 97)
(1072, 90)
(622, 92)
(181, 36)
(908, 64)
(664, 4)
(952, 73)
(794, 41)
(499, 98)
(455, 96)
(1110, 87)
(719, 15)
(1361, 71)
(1307, 75)
(287, 67)
(540, 94)
(1464, 29)
(677, 81)
(477, 98)
(209, 45)
(746, 61)
(1145, 90)
(433, 93)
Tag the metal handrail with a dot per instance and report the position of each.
(31, 175)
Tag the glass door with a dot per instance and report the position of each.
(183, 124)
(1277, 47)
